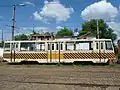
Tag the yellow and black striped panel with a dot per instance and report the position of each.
(55, 55)
(77, 55)
(88, 55)
(26, 55)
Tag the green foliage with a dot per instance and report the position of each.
(64, 32)
(47, 33)
(1, 44)
(21, 37)
(104, 31)
(115, 49)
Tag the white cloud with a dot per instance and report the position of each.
(37, 16)
(59, 27)
(116, 27)
(53, 10)
(29, 3)
(100, 10)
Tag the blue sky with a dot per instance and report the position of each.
(52, 15)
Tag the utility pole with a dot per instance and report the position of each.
(13, 27)
(98, 37)
(97, 29)
(13, 21)
(13, 18)
(2, 35)
(2, 38)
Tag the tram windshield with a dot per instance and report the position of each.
(108, 45)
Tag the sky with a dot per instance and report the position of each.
(52, 15)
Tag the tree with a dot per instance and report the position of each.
(21, 37)
(90, 28)
(64, 32)
(1, 43)
(47, 33)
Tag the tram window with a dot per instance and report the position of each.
(30, 46)
(52, 46)
(16, 46)
(57, 46)
(91, 46)
(101, 45)
(40, 46)
(108, 45)
(7, 47)
(96, 45)
(24, 46)
(83, 45)
(69, 46)
(48, 46)
(61, 46)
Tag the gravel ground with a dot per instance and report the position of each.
(52, 77)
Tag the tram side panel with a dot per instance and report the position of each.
(95, 57)
(64, 52)
(97, 52)
(41, 57)
(55, 57)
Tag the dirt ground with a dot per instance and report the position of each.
(53, 77)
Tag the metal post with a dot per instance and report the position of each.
(13, 21)
(14, 51)
(98, 41)
(59, 52)
(11, 52)
(97, 30)
(2, 38)
(50, 52)
(13, 26)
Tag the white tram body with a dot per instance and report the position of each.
(60, 50)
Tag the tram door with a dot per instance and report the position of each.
(54, 49)
(100, 47)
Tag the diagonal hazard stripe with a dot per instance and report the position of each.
(88, 55)
(27, 55)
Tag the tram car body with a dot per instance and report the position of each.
(60, 50)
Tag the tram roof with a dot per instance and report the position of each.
(57, 40)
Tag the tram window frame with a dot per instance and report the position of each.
(106, 45)
(53, 48)
(48, 46)
(24, 46)
(57, 46)
(61, 46)
(90, 45)
(7, 47)
(16, 46)
(31, 46)
(69, 49)
(81, 43)
(101, 45)
(97, 45)
(41, 45)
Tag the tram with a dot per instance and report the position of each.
(60, 51)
